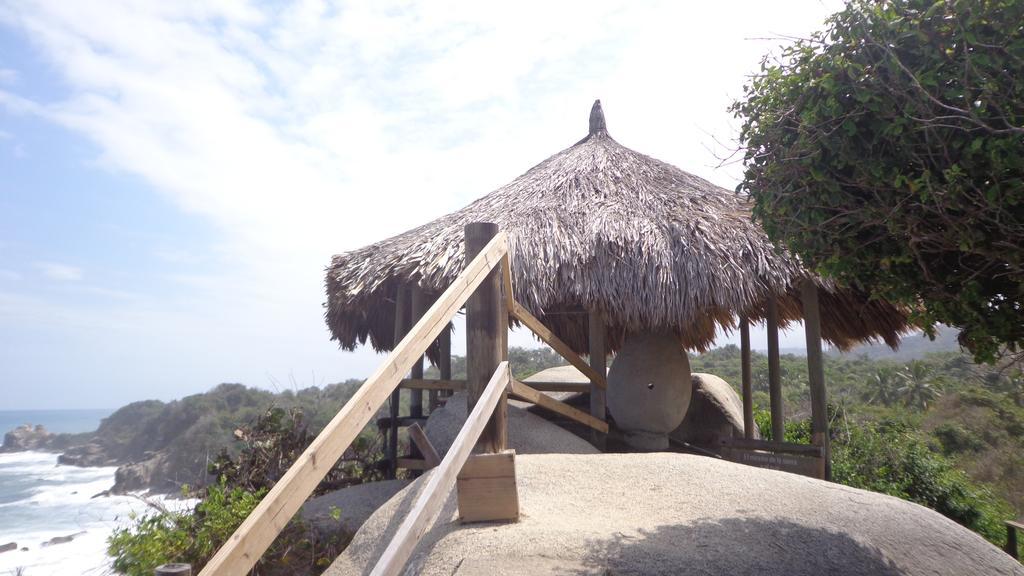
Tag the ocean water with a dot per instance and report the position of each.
(54, 420)
(40, 500)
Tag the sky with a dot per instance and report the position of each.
(174, 176)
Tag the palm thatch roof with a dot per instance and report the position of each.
(600, 226)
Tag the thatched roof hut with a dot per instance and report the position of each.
(600, 226)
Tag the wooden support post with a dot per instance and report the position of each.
(598, 361)
(486, 333)
(745, 378)
(173, 570)
(774, 372)
(1011, 538)
(444, 342)
(401, 327)
(417, 305)
(816, 371)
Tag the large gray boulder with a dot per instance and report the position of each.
(671, 514)
(353, 504)
(649, 389)
(715, 410)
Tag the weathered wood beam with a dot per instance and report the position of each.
(238, 555)
(556, 343)
(486, 329)
(775, 372)
(429, 502)
(419, 438)
(598, 363)
(816, 370)
(525, 392)
(745, 379)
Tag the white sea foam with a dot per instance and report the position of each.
(40, 500)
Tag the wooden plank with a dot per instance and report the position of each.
(417, 306)
(238, 555)
(578, 387)
(418, 464)
(486, 327)
(816, 370)
(444, 342)
(598, 362)
(456, 385)
(506, 280)
(523, 391)
(402, 310)
(794, 463)
(745, 379)
(429, 384)
(487, 488)
(419, 438)
(775, 372)
(770, 445)
(556, 343)
(429, 502)
(1011, 538)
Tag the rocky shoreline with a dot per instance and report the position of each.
(145, 471)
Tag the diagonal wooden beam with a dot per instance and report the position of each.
(521, 390)
(429, 502)
(252, 538)
(563, 349)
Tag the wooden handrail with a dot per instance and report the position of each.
(245, 547)
(460, 384)
(771, 446)
(429, 502)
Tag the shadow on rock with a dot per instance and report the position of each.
(735, 546)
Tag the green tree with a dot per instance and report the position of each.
(919, 385)
(888, 152)
(883, 386)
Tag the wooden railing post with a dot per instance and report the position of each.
(444, 344)
(745, 378)
(816, 371)
(173, 570)
(598, 361)
(486, 333)
(401, 328)
(774, 372)
(417, 306)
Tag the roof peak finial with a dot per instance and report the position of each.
(597, 124)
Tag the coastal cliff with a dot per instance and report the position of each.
(161, 446)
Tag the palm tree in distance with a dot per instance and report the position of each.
(883, 386)
(919, 385)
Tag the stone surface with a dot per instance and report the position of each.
(8, 547)
(27, 437)
(355, 504)
(527, 433)
(649, 389)
(670, 514)
(715, 410)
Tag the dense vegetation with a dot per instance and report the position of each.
(251, 458)
(940, 431)
(937, 430)
(888, 152)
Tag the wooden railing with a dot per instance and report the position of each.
(245, 547)
(428, 503)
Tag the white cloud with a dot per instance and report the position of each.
(58, 271)
(8, 76)
(308, 129)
